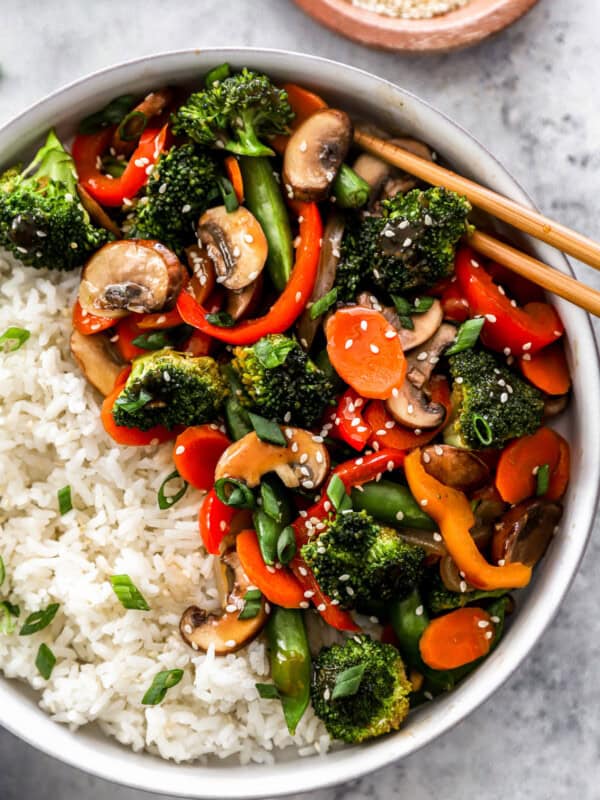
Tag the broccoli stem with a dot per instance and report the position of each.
(52, 162)
(393, 504)
(248, 142)
(263, 198)
(349, 189)
(290, 662)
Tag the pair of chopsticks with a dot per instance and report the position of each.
(521, 217)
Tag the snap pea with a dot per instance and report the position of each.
(272, 517)
(392, 503)
(290, 662)
(265, 201)
(349, 189)
(237, 420)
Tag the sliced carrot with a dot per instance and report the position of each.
(279, 586)
(234, 173)
(304, 104)
(127, 330)
(457, 638)
(365, 351)
(122, 434)
(520, 461)
(398, 437)
(559, 478)
(548, 369)
(196, 452)
(88, 324)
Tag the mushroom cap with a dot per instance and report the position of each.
(138, 275)
(303, 462)
(425, 325)
(97, 360)
(455, 467)
(315, 152)
(525, 531)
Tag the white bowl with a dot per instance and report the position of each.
(397, 110)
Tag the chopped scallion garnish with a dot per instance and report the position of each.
(228, 194)
(234, 493)
(169, 500)
(39, 620)
(271, 503)
(130, 406)
(111, 114)
(268, 691)
(336, 492)
(286, 545)
(267, 430)
(542, 480)
(128, 593)
(9, 614)
(467, 336)
(324, 303)
(45, 661)
(348, 682)
(162, 682)
(252, 604)
(221, 319)
(483, 430)
(273, 352)
(133, 125)
(155, 340)
(13, 338)
(64, 500)
(2, 571)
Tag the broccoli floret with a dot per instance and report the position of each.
(42, 221)
(360, 563)
(409, 248)
(490, 403)
(169, 388)
(180, 189)
(438, 599)
(281, 382)
(380, 703)
(235, 113)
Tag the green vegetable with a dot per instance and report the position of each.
(221, 318)
(272, 518)
(267, 430)
(336, 492)
(234, 493)
(393, 504)
(216, 75)
(128, 593)
(42, 222)
(155, 340)
(9, 613)
(183, 184)
(268, 691)
(2, 571)
(39, 620)
(542, 480)
(237, 420)
(172, 389)
(349, 189)
(228, 195)
(167, 501)
(252, 604)
(64, 500)
(410, 247)
(323, 304)
(13, 338)
(439, 599)
(45, 661)
(235, 114)
(132, 126)
(162, 682)
(360, 563)
(294, 391)
(290, 662)
(275, 502)
(111, 114)
(286, 545)
(263, 198)
(467, 336)
(490, 403)
(378, 704)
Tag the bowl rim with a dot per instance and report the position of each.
(104, 758)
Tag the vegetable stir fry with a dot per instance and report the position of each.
(362, 399)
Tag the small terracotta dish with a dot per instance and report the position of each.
(460, 28)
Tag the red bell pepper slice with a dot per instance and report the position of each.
(88, 149)
(290, 303)
(348, 423)
(508, 328)
(214, 521)
(454, 304)
(127, 330)
(88, 324)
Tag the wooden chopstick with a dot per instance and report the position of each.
(551, 279)
(525, 219)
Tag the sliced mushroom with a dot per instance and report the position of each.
(138, 275)
(303, 462)
(227, 632)
(425, 325)
(315, 153)
(460, 469)
(424, 539)
(385, 180)
(97, 360)
(96, 212)
(136, 121)
(235, 243)
(374, 171)
(202, 281)
(411, 406)
(524, 533)
(244, 300)
(402, 182)
(553, 406)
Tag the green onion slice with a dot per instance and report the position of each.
(271, 503)
(128, 593)
(273, 354)
(404, 310)
(216, 75)
(286, 545)
(45, 661)
(221, 318)
(113, 166)
(348, 682)
(324, 303)
(228, 194)
(2, 571)
(168, 500)
(336, 491)
(39, 620)
(467, 336)
(64, 500)
(111, 114)
(130, 406)
(267, 430)
(13, 338)
(422, 304)
(155, 340)
(8, 616)
(162, 682)
(268, 691)
(482, 430)
(234, 493)
(542, 479)
(252, 604)
(132, 126)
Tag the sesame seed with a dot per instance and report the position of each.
(389, 233)
(410, 408)
(308, 594)
(345, 577)
(304, 604)
(495, 619)
(535, 470)
(437, 537)
(418, 431)
(380, 432)
(395, 391)
(187, 629)
(270, 569)
(376, 446)
(462, 586)
(488, 634)
(287, 416)
(230, 608)
(303, 146)
(390, 466)
(363, 325)
(527, 346)
(318, 439)
(289, 433)
(298, 296)
(230, 643)
(428, 695)
(557, 333)
(348, 344)
(355, 422)
(350, 591)
(335, 602)
(114, 338)
(527, 357)
(390, 424)
(504, 397)
(459, 380)
(419, 611)
(321, 607)
(438, 450)
(422, 356)
(474, 263)
(161, 319)
(303, 513)
(74, 245)
(303, 571)
(308, 484)
(236, 252)
(424, 502)
(407, 242)
(187, 207)
(179, 450)
(295, 447)
(483, 623)
(426, 458)
(427, 219)
(319, 457)
(391, 334)
(304, 458)
(399, 515)
(154, 441)
(490, 317)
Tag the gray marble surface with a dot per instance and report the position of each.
(531, 95)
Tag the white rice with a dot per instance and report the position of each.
(50, 437)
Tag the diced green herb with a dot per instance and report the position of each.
(221, 318)
(286, 545)
(13, 338)
(273, 352)
(9, 614)
(64, 500)
(404, 310)
(234, 493)
(228, 194)
(169, 500)
(39, 620)
(268, 691)
(267, 430)
(133, 125)
(347, 682)
(2, 571)
(252, 604)
(162, 682)
(128, 593)
(155, 340)
(271, 503)
(542, 479)
(130, 406)
(216, 75)
(324, 303)
(111, 114)
(422, 304)
(467, 336)
(45, 661)
(483, 430)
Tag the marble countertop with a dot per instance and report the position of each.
(531, 96)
